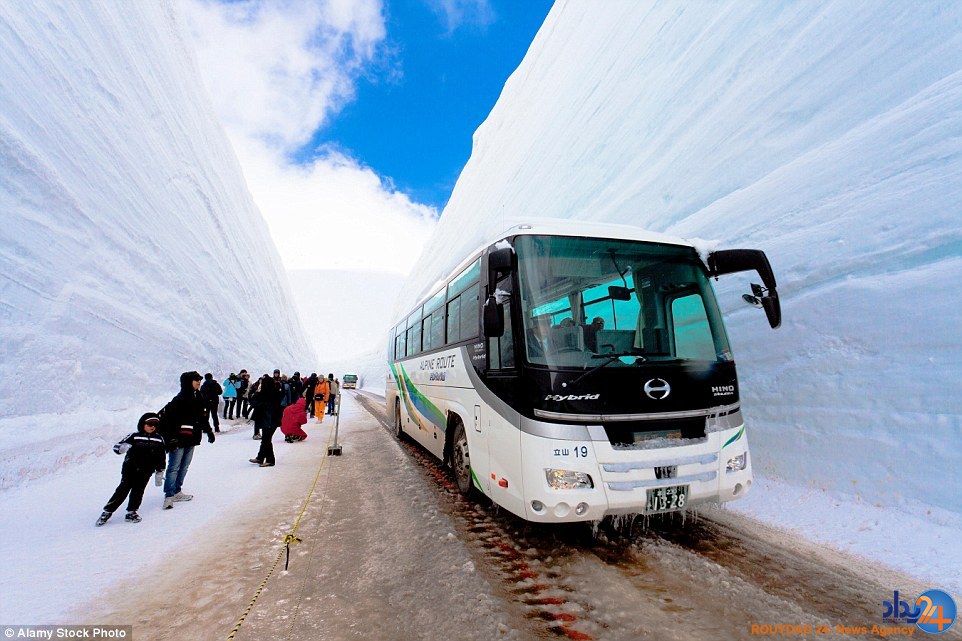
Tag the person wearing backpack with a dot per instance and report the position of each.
(243, 389)
(230, 397)
(183, 420)
(335, 388)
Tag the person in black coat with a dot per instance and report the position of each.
(211, 391)
(243, 385)
(265, 401)
(145, 456)
(183, 420)
(297, 387)
(309, 386)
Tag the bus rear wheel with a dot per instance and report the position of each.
(398, 429)
(461, 460)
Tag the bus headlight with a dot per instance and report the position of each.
(737, 463)
(568, 480)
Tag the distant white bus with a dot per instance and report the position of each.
(350, 381)
(571, 371)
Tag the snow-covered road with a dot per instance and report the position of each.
(390, 550)
(712, 575)
(379, 557)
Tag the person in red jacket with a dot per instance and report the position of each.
(294, 416)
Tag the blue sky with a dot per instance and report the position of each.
(352, 119)
(434, 81)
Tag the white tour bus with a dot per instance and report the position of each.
(571, 371)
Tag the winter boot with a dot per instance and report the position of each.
(180, 496)
(133, 517)
(104, 517)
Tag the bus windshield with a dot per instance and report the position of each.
(586, 302)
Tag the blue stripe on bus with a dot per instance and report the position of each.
(415, 402)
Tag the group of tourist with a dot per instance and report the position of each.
(163, 444)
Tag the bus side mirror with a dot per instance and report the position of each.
(729, 261)
(773, 309)
(493, 318)
(499, 264)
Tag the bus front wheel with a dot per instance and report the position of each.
(461, 460)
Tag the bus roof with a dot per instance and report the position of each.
(556, 227)
(589, 229)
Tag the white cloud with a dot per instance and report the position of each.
(456, 13)
(336, 214)
(276, 72)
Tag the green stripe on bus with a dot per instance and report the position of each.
(422, 403)
(737, 436)
(477, 483)
(405, 396)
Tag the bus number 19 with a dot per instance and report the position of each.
(581, 451)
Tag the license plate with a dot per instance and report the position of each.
(666, 499)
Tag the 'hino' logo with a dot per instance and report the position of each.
(572, 397)
(657, 389)
(666, 472)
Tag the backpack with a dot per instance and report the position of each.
(166, 428)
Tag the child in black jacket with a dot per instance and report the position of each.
(145, 456)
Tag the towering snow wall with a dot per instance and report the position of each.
(130, 248)
(827, 134)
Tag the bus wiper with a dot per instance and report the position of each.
(611, 359)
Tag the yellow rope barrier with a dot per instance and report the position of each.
(288, 539)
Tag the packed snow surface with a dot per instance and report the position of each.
(828, 135)
(130, 248)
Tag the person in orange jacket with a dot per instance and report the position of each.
(321, 392)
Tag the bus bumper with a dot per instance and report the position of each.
(711, 470)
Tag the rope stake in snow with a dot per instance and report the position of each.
(290, 538)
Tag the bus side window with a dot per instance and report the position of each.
(399, 345)
(426, 333)
(506, 345)
(454, 318)
(470, 310)
(437, 328)
(501, 348)
(494, 355)
(412, 341)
